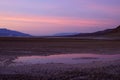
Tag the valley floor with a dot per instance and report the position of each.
(11, 48)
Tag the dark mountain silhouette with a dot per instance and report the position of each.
(10, 33)
(105, 33)
(64, 34)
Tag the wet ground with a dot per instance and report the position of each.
(56, 67)
(65, 58)
(59, 59)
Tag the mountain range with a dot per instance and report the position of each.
(115, 32)
(64, 34)
(105, 33)
(10, 33)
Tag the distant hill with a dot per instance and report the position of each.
(64, 34)
(105, 33)
(10, 33)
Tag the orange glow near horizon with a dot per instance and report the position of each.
(52, 20)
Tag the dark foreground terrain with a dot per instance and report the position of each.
(48, 46)
(11, 48)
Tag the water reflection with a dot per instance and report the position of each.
(65, 58)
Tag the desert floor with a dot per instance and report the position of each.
(11, 48)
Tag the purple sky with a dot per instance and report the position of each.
(46, 17)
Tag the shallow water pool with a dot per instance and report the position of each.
(65, 58)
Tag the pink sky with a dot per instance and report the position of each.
(53, 16)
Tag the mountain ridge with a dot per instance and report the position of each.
(107, 32)
(65, 34)
(11, 33)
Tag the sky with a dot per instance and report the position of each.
(47, 17)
